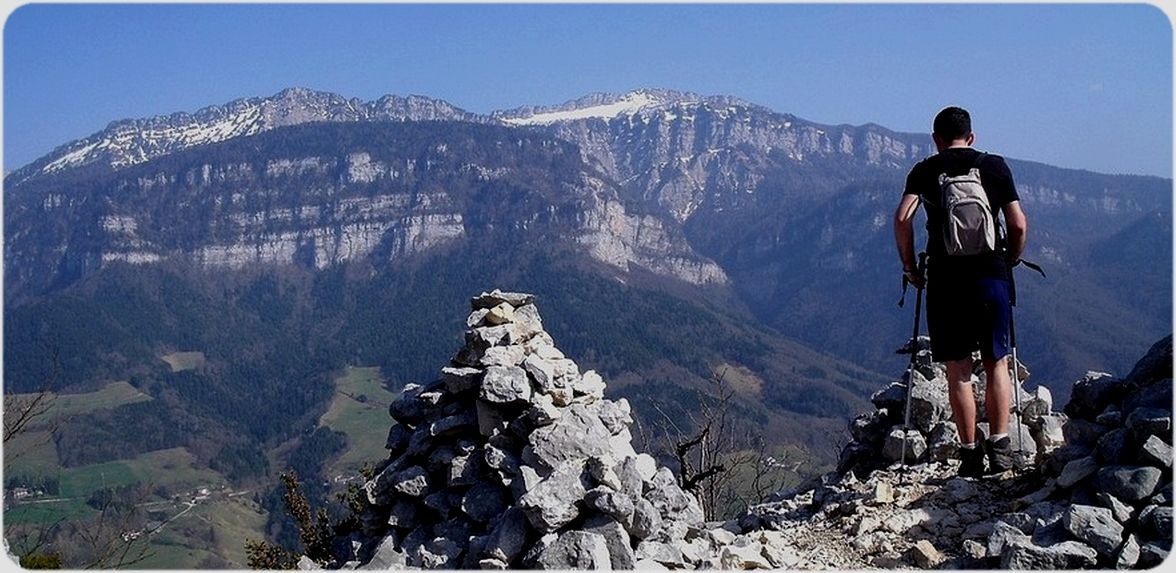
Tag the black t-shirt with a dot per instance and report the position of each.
(923, 181)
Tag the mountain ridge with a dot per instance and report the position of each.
(688, 190)
(132, 141)
(670, 246)
(391, 107)
(119, 145)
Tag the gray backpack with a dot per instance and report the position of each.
(969, 227)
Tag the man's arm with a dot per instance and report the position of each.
(1018, 229)
(904, 231)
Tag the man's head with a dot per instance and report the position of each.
(952, 126)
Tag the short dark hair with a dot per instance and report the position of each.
(953, 123)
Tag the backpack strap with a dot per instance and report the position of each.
(975, 165)
(1001, 234)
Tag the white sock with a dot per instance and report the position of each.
(996, 437)
(969, 446)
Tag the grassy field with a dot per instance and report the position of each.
(180, 361)
(360, 410)
(76, 486)
(174, 468)
(48, 512)
(64, 405)
(113, 395)
(212, 534)
(32, 452)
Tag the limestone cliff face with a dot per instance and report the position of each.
(681, 150)
(272, 202)
(620, 239)
(703, 189)
(251, 224)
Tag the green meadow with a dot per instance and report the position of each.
(360, 410)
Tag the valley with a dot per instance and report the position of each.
(218, 308)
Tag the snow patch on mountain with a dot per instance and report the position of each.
(631, 103)
(70, 159)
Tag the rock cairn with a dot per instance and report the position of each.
(1107, 496)
(877, 436)
(514, 458)
(1099, 496)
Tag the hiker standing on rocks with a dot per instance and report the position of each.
(968, 275)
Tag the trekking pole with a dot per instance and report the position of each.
(1014, 377)
(914, 348)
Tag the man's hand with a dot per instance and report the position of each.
(915, 277)
(904, 232)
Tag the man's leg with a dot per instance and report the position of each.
(999, 389)
(963, 410)
(998, 394)
(963, 403)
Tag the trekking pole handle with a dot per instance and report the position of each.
(920, 270)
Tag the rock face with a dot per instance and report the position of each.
(671, 176)
(308, 195)
(514, 458)
(655, 138)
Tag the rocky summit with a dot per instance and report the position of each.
(514, 458)
(1094, 489)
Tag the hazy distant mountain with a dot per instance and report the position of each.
(669, 237)
(134, 141)
(786, 217)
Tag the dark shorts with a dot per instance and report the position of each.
(965, 316)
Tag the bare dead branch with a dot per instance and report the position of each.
(19, 411)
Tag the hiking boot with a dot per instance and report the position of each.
(971, 462)
(1000, 455)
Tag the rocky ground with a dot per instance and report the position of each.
(513, 458)
(922, 516)
(1095, 493)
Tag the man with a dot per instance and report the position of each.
(968, 296)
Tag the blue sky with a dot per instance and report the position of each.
(1086, 86)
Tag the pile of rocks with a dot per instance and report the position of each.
(878, 438)
(1107, 496)
(514, 458)
(1103, 499)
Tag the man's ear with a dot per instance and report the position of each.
(970, 139)
(939, 143)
